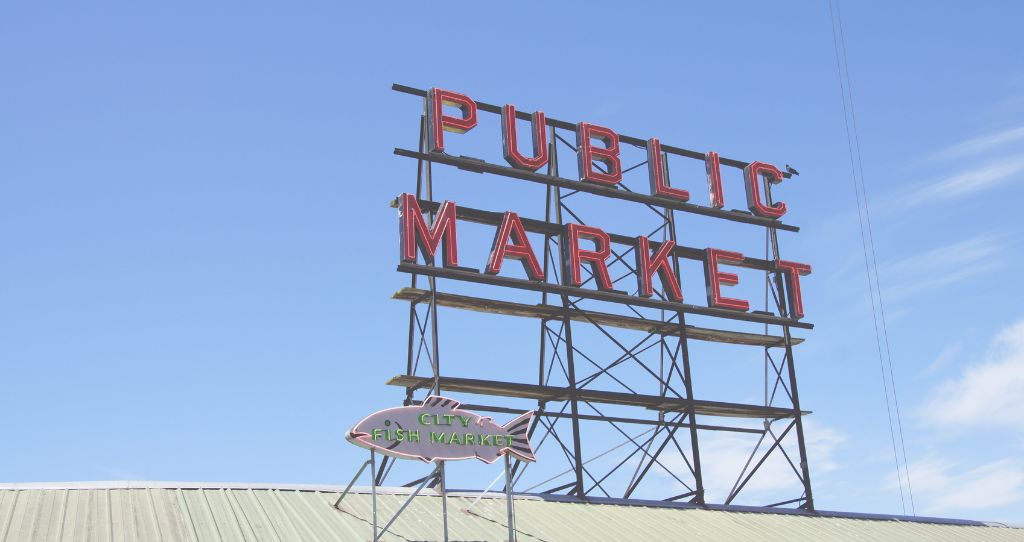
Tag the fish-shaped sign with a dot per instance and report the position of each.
(437, 430)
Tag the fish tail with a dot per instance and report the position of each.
(519, 429)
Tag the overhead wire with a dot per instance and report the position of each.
(874, 260)
(870, 263)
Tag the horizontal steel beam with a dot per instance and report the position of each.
(552, 312)
(472, 275)
(556, 393)
(480, 166)
(615, 419)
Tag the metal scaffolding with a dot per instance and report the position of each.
(650, 338)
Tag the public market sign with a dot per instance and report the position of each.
(600, 172)
(437, 430)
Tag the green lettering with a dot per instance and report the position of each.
(413, 436)
(508, 440)
(470, 438)
(436, 438)
(400, 435)
(376, 434)
(485, 440)
(454, 439)
(498, 440)
(448, 419)
(423, 418)
(465, 420)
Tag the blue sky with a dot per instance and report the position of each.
(198, 250)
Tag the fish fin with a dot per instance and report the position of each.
(354, 435)
(484, 419)
(519, 429)
(438, 401)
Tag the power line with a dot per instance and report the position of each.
(870, 264)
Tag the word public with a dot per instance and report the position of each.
(594, 144)
(607, 153)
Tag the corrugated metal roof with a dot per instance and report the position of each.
(121, 511)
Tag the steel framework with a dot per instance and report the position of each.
(651, 375)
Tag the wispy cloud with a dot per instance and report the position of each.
(942, 486)
(981, 144)
(942, 266)
(987, 393)
(949, 353)
(975, 179)
(981, 162)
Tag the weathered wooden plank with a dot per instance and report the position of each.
(548, 312)
(472, 275)
(556, 393)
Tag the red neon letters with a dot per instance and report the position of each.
(596, 258)
(793, 273)
(715, 279)
(512, 228)
(658, 176)
(599, 161)
(438, 123)
(647, 265)
(588, 154)
(510, 141)
(511, 242)
(751, 177)
(415, 233)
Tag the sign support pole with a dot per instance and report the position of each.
(444, 499)
(509, 507)
(784, 310)
(372, 462)
(373, 489)
(402, 508)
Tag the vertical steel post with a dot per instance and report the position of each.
(684, 353)
(569, 354)
(435, 358)
(552, 169)
(444, 499)
(542, 404)
(509, 507)
(788, 341)
(373, 491)
(410, 356)
(428, 189)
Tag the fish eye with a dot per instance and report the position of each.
(387, 422)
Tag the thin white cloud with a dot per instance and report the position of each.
(967, 181)
(983, 162)
(982, 143)
(942, 266)
(942, 486)
(949, 353)
(987, 393)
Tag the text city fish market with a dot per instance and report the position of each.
(510, 239)
(442, 437)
